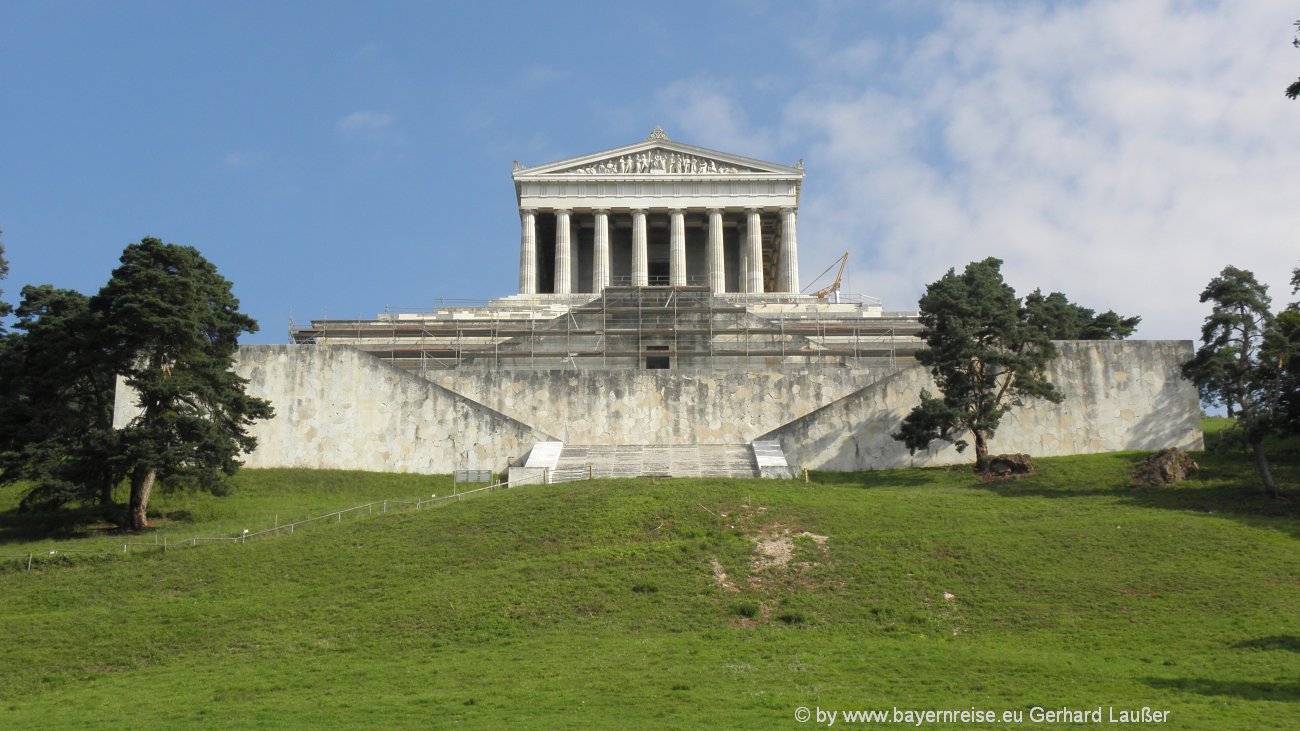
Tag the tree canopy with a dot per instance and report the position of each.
(1247, 361)
(5, 308)
(166, 323)
(1062, 319)
(1293, 90)
(56, 402)
(172, 324)
(986, 357)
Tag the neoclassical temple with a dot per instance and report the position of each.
(658, 329)
(658, 213)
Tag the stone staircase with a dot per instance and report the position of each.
(578, 462)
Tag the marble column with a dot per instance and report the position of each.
(742, 268)
(788, 279)
(600, 264)
(528, 251)
(640, 253)
(563, 262)
(676, 248)
(754, 236)
(717, 266)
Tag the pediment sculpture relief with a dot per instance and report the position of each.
(657, 161)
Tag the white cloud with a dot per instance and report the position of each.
(705, 111)
(1120, 152)
(237, 159)
(364, 121)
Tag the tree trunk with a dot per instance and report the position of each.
(105, 493)
(981, 450)
(107, 507)
(1265, 474)
(141, 486)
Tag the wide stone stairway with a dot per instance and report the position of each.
(559, 462)
(578, 462)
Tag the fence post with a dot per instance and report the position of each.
(29, 563)
(385, 506)
(340, 517)
(589, 470)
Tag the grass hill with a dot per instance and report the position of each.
(661, 604)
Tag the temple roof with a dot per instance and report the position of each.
(657, 155)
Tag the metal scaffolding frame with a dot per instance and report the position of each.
(689, 325)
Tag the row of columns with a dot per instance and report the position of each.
(751, 252)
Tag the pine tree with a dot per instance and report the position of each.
(1234, 367)
(5, 308)
(56, 403)
(985, 355)
(1062, 319)
(172, 325)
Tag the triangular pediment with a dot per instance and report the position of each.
(658, 155)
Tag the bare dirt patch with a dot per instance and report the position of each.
(776, 550)
(720, 575)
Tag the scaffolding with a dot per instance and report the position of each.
(630, 327)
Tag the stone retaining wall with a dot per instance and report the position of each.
(339, 408)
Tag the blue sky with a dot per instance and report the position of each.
(342, 157)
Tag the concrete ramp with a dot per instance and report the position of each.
(544, 455)
(770, 460)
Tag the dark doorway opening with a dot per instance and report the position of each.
(657, 362)
(658, 271)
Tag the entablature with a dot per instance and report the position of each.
(682, 193)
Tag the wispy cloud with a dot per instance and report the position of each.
(237, 159)
(1120, 152)
(363, 121)
(707, 111)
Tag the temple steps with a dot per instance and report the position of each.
(558, 462)
(581, 462)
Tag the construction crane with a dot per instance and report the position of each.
(824, 292)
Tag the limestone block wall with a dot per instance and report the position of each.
(1119, 395)
(339, 408)
(658, 406)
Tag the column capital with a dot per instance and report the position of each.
(600, 210)
(529, 210)
(558, 211)
(753, 210)
(714, 209)
(635, 211)
(788, 210)
(677, 210)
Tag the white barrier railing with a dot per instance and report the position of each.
(164, 545)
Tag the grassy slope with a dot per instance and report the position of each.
(594, 605)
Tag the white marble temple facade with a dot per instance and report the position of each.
(658, 213)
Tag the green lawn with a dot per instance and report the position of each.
(604, 605)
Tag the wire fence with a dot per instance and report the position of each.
(162, 543)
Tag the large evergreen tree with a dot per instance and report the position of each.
(1242, 363)
(985, 355)
(1062, 319)
(56, 402)
(172, 324)
(1293, 89)
(5, 309)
